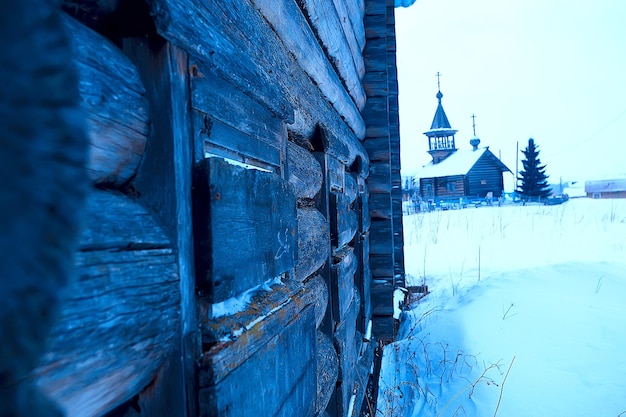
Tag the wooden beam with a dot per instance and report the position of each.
(245, 227)
(116, 109)
(287, 359)
(327, 371)
(120, 317)
(303, 171)
(324, 20)
(313, 242)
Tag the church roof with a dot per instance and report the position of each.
(459, 163)
(440, 121)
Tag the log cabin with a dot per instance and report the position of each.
(458, 173)
(242, 238)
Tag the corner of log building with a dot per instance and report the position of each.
(225, 267)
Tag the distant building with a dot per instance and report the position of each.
(455, 173)
(606, 188)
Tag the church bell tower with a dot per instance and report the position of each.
(441, 135)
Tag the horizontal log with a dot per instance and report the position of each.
(287, 360)
(116, 109)
(382, 298)
(355, 13)
(324, 19)
(303, 171)
(245, 229)
(382, 265)
(343, 290)
(380, 206)
(353, 27)
(379, 180)
(265, 302)
(235, 39)
(217, 138)
(317, 292)
(327, 371)
(313, 242)
(381, 237)
(293, 30)
(216, 97)
(120, 317)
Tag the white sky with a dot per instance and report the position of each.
(551, 70)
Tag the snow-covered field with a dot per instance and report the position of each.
(526, 316)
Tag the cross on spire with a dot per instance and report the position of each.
(438, 84)
(474, 123)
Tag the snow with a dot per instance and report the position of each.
(525, 315)
(459, 163)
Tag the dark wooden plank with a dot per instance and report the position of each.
(287, 360)
(380, 206)
(116, 109)
(351, 187)
(313, 242)
(303, 171)
(344, 222)
(379, 180)
(342, 288)
(381, 265)
(119, 319)
(216, 97)
(245, 227)
(382, 298)
(323, 17)
(335, 172)
(317, 291)
(327, 371)
(348, 346)
(225, 336)
(220, 139)
(365, 220)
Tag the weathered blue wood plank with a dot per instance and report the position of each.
(278, 380)
(343, 289)
(245, 227)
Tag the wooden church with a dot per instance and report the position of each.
(456, 173)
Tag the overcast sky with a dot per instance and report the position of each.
(553, 70)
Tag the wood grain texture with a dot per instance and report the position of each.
(120, 318)
(303, 171)
(216, 97)
(324, 20)
(348, 346)
(235, 39)
(115, 105)
(313, 242)
(317, 291)
(344, 222)
(245, 227)
(327, 371)
(287, 358)
(353, 28)
(342, 288)
(295, 33)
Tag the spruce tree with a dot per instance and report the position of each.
(534, 181)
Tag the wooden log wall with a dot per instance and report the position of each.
(382, 142)
(232, 226)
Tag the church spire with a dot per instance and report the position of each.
(441, 135)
